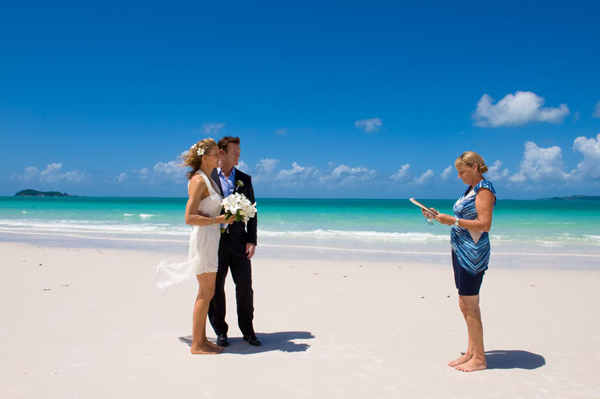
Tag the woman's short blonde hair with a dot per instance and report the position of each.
(470, 158)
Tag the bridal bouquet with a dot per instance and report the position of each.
(238, 205)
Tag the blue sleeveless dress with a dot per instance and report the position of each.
(472, 248)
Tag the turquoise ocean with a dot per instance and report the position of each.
(528, 227)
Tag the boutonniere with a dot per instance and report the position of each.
(239, 184)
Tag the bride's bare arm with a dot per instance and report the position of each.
(197, 192)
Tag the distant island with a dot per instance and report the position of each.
(574, 198)
(35, 193)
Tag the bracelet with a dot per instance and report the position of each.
(456, 222)
(214, 220)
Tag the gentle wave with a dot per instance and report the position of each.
(145, 215)
(319, 233)
(93, 227)
(321, 248)
(273, 234)
(444, 253)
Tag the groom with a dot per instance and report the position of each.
(236, 248)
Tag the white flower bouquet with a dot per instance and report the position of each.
(238, 205)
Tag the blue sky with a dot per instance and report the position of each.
(331, 99)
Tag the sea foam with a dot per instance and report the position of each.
(359, 235)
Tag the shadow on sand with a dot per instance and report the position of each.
(277, 341)
(501, 359)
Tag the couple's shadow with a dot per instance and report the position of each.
(513, 359)
(278, 341)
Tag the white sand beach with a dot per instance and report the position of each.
(89, 323)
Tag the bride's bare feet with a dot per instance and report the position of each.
(204, 350)
(474, 364)
(214, 346)
(463, 359)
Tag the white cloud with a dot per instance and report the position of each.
(402, 173)
(121, 178)
(589, 167)
(212, 128)
(31, 172)
(346, 175)
(596, 113)
(297, 173)
(142, 174)
(281, 132)
(540, 165)
(265, 169)
(494, 173)
(309, 175)
(74, 176)
(369, 125)
(424, 177)
(52, 174)
(266, 166)
(162, 173)
(517, 109)
(447, 173)
(169, 172)
(243, 166)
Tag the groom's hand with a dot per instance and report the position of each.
(250, 248)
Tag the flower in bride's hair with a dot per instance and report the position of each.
(200, 152)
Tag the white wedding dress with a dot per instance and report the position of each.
(204, 245)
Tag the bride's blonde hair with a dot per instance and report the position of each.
(193, 158)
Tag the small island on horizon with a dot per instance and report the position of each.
(56, 194)
(574, 198)
(35, 193)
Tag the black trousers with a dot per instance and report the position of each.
(241, 271)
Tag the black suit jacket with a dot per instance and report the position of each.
(240, 233)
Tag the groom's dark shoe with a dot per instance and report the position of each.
(252, 340)
(222, 340)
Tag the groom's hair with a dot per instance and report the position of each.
(226, 140)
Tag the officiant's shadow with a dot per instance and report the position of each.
(513, 359)
(282, 341)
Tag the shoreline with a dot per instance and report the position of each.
(387, 226)
(178, 249)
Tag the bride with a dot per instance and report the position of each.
(203, 212)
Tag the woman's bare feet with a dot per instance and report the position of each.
(214, 346)
(474, 364)
(463, 359)
(204, 350)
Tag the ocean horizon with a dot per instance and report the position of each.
(526, 227)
